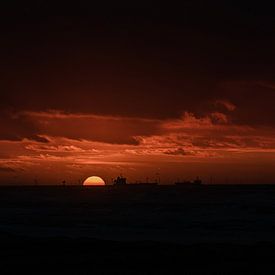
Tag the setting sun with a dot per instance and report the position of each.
(94, 181)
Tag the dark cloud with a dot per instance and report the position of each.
(142, 81)
(36, 126)
(16, 127)
(178, 152)
(7, 170)
(108, 129)
(254, 102)
(138, 60)
(38, 138)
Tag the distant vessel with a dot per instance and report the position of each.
(196, 182)
(121, 181)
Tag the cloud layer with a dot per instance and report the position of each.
(77, 143)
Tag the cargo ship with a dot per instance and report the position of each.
(122, 181)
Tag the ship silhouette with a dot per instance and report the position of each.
(122, 181)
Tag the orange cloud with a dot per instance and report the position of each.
(79, 144)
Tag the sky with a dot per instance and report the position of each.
(137, 89)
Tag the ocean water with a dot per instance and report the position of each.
(182, 215)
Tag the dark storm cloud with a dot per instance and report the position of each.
(138, 60)
(107, 129)
(17, 128)
(40, 127)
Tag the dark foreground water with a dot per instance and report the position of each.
(138, 230)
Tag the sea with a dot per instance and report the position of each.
(211, 229)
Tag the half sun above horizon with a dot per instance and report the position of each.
(94, 181)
